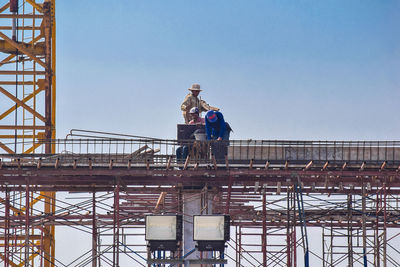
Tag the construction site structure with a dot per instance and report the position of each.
(27, 108)
(27, 75)
(291, 203)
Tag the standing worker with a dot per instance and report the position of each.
(192, 100)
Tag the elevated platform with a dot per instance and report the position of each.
(316, 151)
(238, 151)
(350, 190)
(98, 164)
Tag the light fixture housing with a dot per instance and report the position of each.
(211, 232)
(163, 232)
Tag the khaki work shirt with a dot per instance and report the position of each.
(192, 101)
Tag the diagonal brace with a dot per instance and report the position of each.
(7, 59)
(27, 98)
(22, 104)
(10, 262)
(23, 49)
(3, 8)
(6, 148)
(35, 5)
(32, 148)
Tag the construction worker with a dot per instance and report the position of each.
(218, 129)
(195, 116)
(192, 100)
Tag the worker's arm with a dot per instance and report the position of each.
(208, 130)
(222, 125)
(186, 103)
(207, 107)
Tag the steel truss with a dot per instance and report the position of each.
(27, 117)
(27, 75)
(351, 209)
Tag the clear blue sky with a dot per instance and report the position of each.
(304, 69)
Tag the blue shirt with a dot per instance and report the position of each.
(216, 129)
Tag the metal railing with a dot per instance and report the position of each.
(138, 150)
(317, 151)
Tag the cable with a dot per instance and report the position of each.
(15, 22)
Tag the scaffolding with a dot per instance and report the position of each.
(106, 186)
(341, 196)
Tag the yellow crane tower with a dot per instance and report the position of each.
(27, 115)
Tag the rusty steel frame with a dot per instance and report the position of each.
(259, 198)
(246, 186)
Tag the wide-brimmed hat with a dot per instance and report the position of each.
(195, 87)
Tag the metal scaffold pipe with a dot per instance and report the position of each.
(14, 10)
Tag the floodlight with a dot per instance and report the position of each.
(163, 231)
(211, 232)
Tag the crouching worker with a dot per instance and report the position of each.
(195, 116)
(193, 148)
(217, 129)
(181, 153)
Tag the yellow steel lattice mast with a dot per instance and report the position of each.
(27, 119)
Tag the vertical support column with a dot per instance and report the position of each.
(228, 199)
(264, 229)
(27, 210)
(240, 246)
(288, 232)
(377, 242)
(116, 227)
(49, 231)
(53, 72)
(384, 234)
(49, 246)
(7, 230)
(47, 21)
(204, 208)
(41, 248)
(94, 231)
(302, 219)
(364, 221)
(323, 247)
(180, 211)
(291, 242)
(53, 230)
(331, 239)
(350, 230)
(294, 235)
(237, 246)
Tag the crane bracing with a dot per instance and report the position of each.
(347, 192)
(27, 115)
